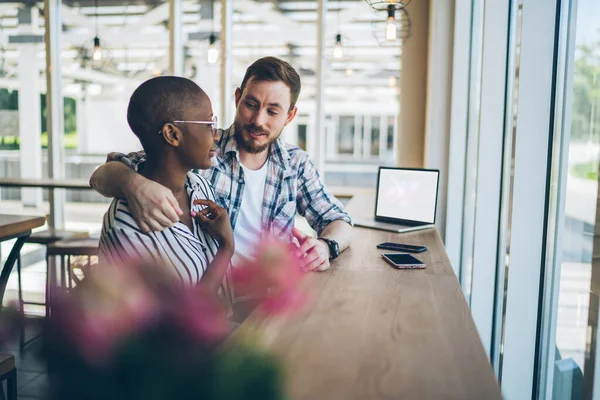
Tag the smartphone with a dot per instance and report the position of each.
(403, 261)
(408, 248)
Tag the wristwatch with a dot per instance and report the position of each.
(334, 248)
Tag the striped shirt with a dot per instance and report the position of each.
(188, 252)
(293, 186)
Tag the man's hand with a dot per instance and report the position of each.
(153, 206)
(315, 252)
(215, 220)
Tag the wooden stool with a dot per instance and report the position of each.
(67, 250)
(8, 373)
(45, 237)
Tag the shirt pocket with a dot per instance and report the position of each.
(283, 220)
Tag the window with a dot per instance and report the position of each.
(302, 136)
(346, 131)
(375, 128)
(391, 122)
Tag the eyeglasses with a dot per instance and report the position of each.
(212, 123)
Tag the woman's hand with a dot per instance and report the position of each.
(215, 220)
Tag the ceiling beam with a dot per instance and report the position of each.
(152, 17)
(72, 17)
(267, 13)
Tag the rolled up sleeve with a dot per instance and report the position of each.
(314, 202)
(133, 160)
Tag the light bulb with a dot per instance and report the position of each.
(390, 25)
(213, 53)
(392, 82)
(349, 71)
(97, 53)
(338, 52)
(390, 29)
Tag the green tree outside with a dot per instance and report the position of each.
(585, 116)
(9, 100)
(585, 111)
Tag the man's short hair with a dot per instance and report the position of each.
(272, 69)
(158, 101)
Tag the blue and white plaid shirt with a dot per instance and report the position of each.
(293, 186)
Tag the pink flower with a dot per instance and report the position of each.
(115, 303)
(201, 315)
(274, 276)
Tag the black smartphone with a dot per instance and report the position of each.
(403, 261)
(408, 248)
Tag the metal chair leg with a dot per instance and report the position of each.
(9, 264)
(21, 308)
(69, 274)
(20, 283)
(49, 277)
(63, 273)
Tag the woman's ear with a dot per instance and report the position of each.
(172, 135)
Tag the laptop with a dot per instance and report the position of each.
(406, 200)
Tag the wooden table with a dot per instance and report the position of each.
(374, 332)
(11, 227)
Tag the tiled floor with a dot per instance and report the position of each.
(31, 372)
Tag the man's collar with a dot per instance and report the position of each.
(228, 143)
(277, 152)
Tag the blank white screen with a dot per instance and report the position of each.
(406, 194)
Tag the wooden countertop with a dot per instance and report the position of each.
(11, 225)
(374, 332)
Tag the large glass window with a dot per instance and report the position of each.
(544, 288)
(573, 315)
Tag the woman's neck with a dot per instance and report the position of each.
(170, 175)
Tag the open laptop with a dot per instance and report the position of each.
(406, 200)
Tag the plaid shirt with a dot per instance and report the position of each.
(293, 186)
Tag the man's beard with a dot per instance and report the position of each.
(249, 145)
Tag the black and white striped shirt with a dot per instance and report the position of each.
(189, 253)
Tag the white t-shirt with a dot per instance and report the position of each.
(248, 227)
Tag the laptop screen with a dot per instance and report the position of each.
(407, 194)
